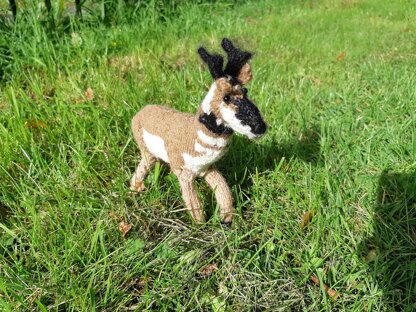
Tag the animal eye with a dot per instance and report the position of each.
(244, 90)
(227, 98)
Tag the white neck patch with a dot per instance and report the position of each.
(206, 103)
(208, 140)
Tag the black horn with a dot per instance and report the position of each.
(215, 62)
(236, 58)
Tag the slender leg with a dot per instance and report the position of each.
(137, 180)
(186, 182)
(222, 194)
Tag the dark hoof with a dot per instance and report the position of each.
(227, 223)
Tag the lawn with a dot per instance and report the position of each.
(326, 199)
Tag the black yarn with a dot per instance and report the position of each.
(249, 114)
(210, 122)
(215, 63)
(236, 60)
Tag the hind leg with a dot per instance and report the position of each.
(137, 180)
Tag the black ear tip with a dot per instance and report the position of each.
(225, 41)
(202, 51)
(205, 56)
(227, 45)
(248, 55)
(215, 62)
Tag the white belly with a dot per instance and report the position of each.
(155, 145)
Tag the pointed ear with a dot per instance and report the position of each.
(245, 75)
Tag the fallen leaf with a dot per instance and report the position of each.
(33, 95)
(139, 285)
(145, 280)
(35, 124)
(180, 63)
(49, 93)
(89, 94)
(115, 216)
(306, 218)
(316, 81)
(124, 228)
(341, 56)
(371, 256)
(331, 292)
(209, 269)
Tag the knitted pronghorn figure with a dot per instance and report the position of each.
(191, 144)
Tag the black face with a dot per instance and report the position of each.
(236, 111)
(246, 114)
(249, 114)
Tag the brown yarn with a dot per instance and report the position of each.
(191, 144)
(222, 194)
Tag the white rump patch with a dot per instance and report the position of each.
(208, 140)
(156, 145)
(206, 103)
(228, 115)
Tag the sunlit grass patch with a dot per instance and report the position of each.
(334, 81)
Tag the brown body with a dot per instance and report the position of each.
(182, 129)
(191, 144)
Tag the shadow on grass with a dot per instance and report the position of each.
(245, 157)
(391, 251)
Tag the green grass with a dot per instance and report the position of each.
(342, 142)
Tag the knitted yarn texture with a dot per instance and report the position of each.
(192, 143)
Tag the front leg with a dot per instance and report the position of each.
(193, 205)
(222, 194)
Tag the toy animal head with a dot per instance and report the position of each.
(227, 106)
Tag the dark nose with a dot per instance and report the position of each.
(259, 128)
